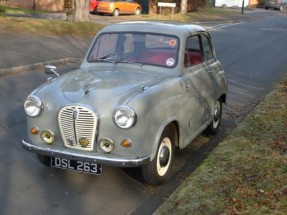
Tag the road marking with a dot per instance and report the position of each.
(223, 25)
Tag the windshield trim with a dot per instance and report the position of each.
(173, 61)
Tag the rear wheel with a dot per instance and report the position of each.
(116, 12)
(214, 125)
(138, 11)
(159, 170)
(95, 10)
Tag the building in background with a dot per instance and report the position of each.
(236, 3)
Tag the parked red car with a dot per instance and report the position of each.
(93, 6)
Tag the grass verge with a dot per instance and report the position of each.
(48, 27)
(247, 172)
(17, 10)
(206, 14)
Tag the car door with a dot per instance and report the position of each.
(129, 6)
(214, 69)
(198, 83)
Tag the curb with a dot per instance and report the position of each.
(16, 70)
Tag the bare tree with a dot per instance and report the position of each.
(80, 10)
(183, 6)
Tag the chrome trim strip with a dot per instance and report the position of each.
(120, 162)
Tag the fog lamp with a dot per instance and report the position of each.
(35, 130)
(126, 143)
(48, 136)
(106, 145)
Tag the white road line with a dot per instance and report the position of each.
(223, 25)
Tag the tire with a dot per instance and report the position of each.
(213, 127)
(95, 11)
(137, 12)
(116, 12)
(45, 160)
(159, 170)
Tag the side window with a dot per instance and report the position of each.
(207, 48)
(192, 55)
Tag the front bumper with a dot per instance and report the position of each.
(119, 162)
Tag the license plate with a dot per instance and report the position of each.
(80, 166)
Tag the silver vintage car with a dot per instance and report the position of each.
(143, 90)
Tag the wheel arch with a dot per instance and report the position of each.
(138, 8)
(117, 10)
(223, 98)
(173, 124)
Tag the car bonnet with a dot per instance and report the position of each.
(95, 86)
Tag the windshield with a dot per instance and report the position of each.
(142, 48)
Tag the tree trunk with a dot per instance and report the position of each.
(80, 10)
(183, 6)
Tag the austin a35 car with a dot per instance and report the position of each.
(143, 90)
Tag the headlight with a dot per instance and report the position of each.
(125, 117)
(33, 106)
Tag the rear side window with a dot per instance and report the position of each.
(193, 54)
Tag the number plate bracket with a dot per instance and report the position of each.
(75, 165)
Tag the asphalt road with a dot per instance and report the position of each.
(254, 57)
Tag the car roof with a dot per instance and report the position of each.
(171, 28)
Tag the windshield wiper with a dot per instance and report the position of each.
(129, 62)
(104, 58)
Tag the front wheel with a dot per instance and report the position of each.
(159, 170)
(116, 12)
(214, 125)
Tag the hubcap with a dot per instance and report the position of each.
(217, 113)
(164, 156)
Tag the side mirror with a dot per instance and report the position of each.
(49, 69)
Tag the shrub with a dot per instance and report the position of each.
(2, 10)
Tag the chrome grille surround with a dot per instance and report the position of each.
(77, 122)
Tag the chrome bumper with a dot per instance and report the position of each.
(120, 162)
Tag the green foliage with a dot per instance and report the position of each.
(2, 10)
(246, 173)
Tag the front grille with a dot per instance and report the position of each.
(78, 126)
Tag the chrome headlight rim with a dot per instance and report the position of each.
(35, 101)
(125, 112)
